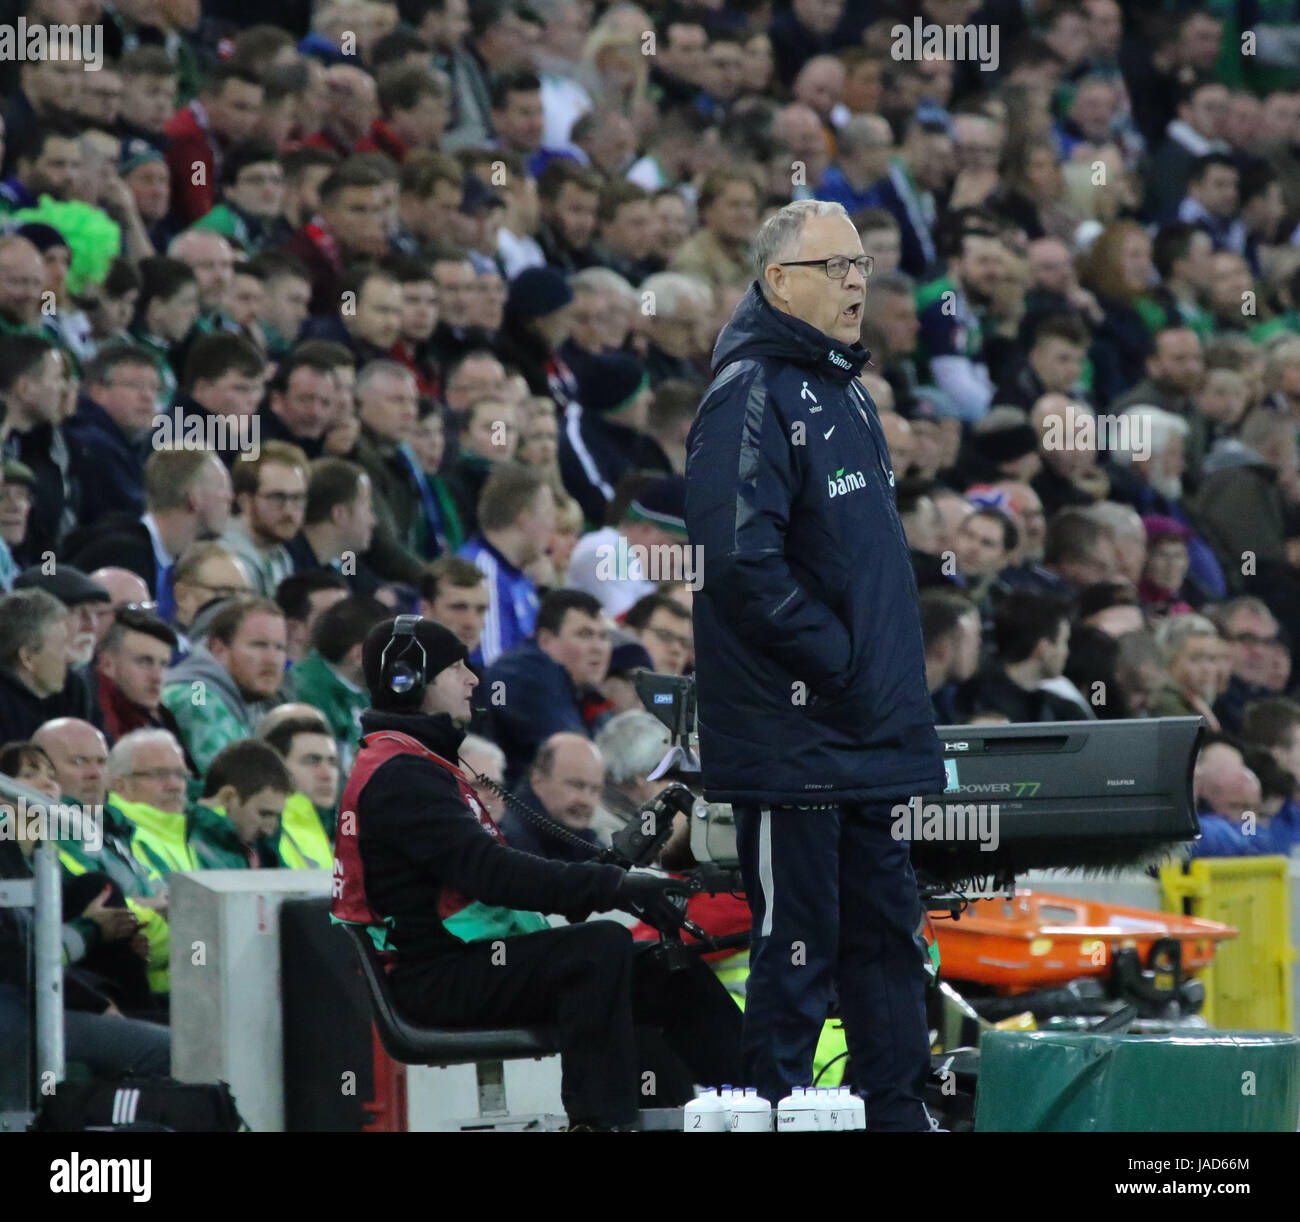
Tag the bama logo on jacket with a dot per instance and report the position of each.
(840, 484)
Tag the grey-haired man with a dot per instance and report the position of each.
(814, 713)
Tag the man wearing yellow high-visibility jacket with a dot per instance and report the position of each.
(148, 779)
(147, 772)
(79, 753)
(311, 754)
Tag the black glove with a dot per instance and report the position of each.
(648, 896)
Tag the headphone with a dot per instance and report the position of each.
(403, 678)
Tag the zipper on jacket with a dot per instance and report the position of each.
(877, 436)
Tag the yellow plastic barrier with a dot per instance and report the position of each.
(1248, 988)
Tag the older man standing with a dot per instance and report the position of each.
(814, 715)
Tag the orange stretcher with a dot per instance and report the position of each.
(1038, 941)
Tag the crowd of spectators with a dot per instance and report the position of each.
(407, 305)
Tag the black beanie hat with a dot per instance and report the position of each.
(442, 648)
(1006, 444)
(44, 237)
(610, 381)
(536, 292)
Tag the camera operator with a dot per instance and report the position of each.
(423, 864)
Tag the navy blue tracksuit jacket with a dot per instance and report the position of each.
(813, 709)
(807, 579)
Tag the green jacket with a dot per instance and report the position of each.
(1170, 702)
(451, 523)
(396, 493)
(1290, 321)
(1156, 317)
(209, 708)
(137, 879)
(317, 683)
(216, 845)
(152, 923)
(116, 858)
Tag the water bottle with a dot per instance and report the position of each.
(750, 1113)
(857, 1111)
(726, 1094)
(706, 1113)
(825, 1109)
(796, 1113)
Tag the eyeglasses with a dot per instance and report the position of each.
(216, 591)
(283, 500)
(666, 637)
(163, 774)
(837, 266)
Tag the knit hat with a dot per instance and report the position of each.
(44, 237)
(611, 381)
(628, 656)
(1160, 529)
(477, 196)
(662, 504)
(536, 292)
(442, 648)
(136, 153)
(69, 585)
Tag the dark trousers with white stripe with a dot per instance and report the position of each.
(835, 909)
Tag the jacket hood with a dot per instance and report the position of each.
(758, 330)
(1231, 453)
(200, 666)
